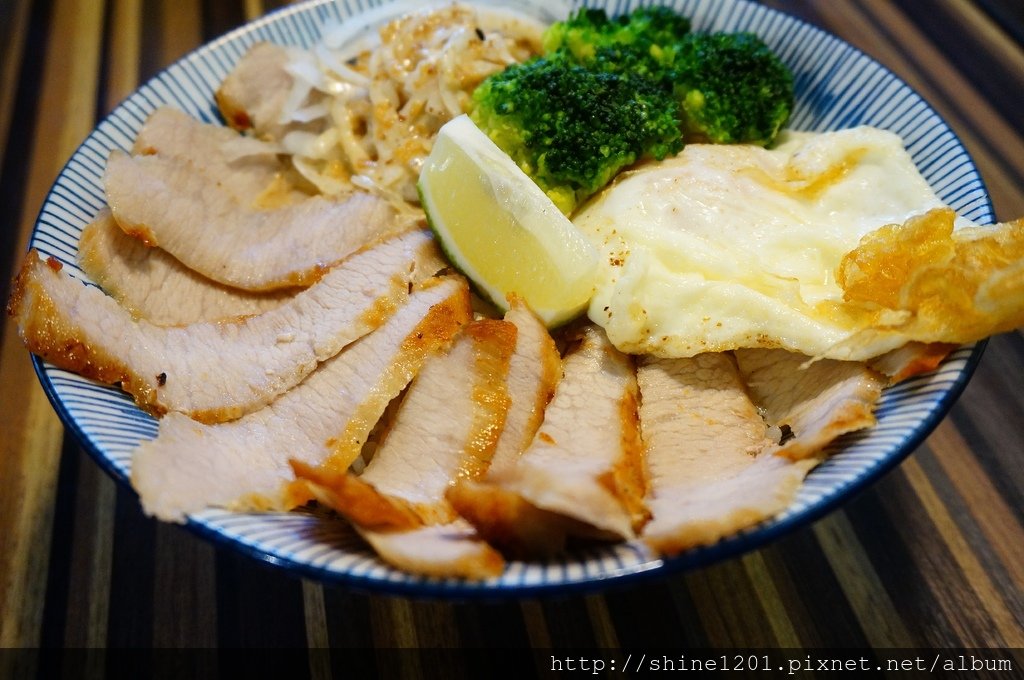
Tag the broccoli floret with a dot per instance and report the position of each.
(609, 92)
(572, 128)
(642, 42)
(590, 29)
(732, 88)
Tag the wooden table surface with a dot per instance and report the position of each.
(930, 556)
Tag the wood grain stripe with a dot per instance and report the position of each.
(1010, 630)
(31, 449)
(317, 636)
(792, 594)
(318, 639)
(776, 613)
(967, 523)
(253, 9)
(536, 625)
(348, 621)
(831, 620)
(132, 576)
(864, 591)
(1002, 529)
(989, 33)
(392, 622)
(1008, 14)
(994, 430)
(184, 580)
(729, 609)
(92, 550)
(435, 621)
(82, 71)
(123, 46)
(605, 636)
(31, 455)
(568, 623)
(394, 627)
(922, 575)
(691, 630)
(635, 628)
(14, 29)
(181, 22)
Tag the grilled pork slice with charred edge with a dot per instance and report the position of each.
(452, 549)
(255, 92)
(710, 460)
(220, 370)
(243, 464)
(246, 168)
(154, 286)
(166, 202)
(812, 401)
(446, 429)
(533, 373)
(912, 359)
(581, 475)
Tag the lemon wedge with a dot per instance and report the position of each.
(501, 230)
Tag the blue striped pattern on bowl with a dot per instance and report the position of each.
(837, 87)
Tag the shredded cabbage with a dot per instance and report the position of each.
(366, 116)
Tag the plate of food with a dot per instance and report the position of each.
(500, 299)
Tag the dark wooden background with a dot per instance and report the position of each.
(931, 556)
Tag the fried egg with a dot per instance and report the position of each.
(730, 246)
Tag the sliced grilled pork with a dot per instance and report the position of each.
(254, 94)
(243, 167)
(446, 429)
(220, 370)
(397, 532)
(582, 474)
(710, 463)
(449, 422)
(813, 402)
(444, 550)
(165, 202)
(911, 359)
(244, 464)
(154, 286)
(533, 373)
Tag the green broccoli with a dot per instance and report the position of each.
(642, 42)
(572, 128)
(732, 88)
(611, 91)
